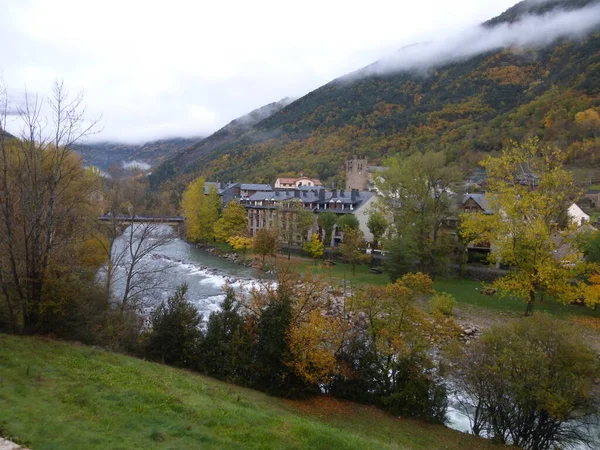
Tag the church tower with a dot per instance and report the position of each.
(356, 174)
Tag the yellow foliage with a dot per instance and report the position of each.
(240, 242)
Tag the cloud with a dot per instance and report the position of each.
(131, 165)
(530, 32)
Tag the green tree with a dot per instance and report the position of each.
(530, 190)
(347, 221)
(314, 247)
(378, 225)
(417, 194)
(327, 221)
(529, 384)
(352, 248)
(175, 335)
(227, 348)
(305, 222)
(233, 222)
(265, 243)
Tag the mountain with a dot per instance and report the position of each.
(104, 154)
(473, 99)
(185, 162)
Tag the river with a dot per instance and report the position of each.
(178, 262)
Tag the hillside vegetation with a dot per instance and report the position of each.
(57, 395)
(467, 109)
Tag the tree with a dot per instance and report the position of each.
(265, 243)
(47, 205)
(530, 191)
(200, 211)
(175, 335)
(529, 384)
(233, 222)
(314, 247)
(242, 243)
(227, 348)
(347, 222)
(387, 353)
(326, 221)
(352, 248)
(417, 193)
(378, 225)
(305, 222)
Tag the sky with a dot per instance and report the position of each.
(157, 69)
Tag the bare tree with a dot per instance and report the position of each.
(129, 246)
(44, 193)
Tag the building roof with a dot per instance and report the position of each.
(481, 200)
(288, 180)
(255, 187)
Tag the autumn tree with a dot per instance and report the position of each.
(327, 221)
(241, 243)
(48, 204)
(530, 192)
(265, 243)
(417, 194)
(200, 211)
(377, 225)
(387, 352)
(233, 222)
(314, 247)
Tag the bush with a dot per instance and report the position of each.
(443, 303)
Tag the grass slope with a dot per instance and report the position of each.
(56, 395)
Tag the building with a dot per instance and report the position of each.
(230, 191)
(293, 183)
(361, 176)
(357, 176)
(475, 203)
(263, 207)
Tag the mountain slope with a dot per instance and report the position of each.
(467, 108)
(105, 154)
(185, 161)
(56, 395)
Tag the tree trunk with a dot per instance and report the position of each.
(530, 303)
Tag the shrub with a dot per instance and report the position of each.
(443, 303)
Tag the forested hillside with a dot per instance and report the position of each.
(466, 108)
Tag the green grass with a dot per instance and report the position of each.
(56, 395)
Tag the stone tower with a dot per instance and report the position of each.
(356, 174)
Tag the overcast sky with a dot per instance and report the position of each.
(185, 68)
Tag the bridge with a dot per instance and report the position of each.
(167, 220)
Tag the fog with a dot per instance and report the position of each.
(530, 32)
